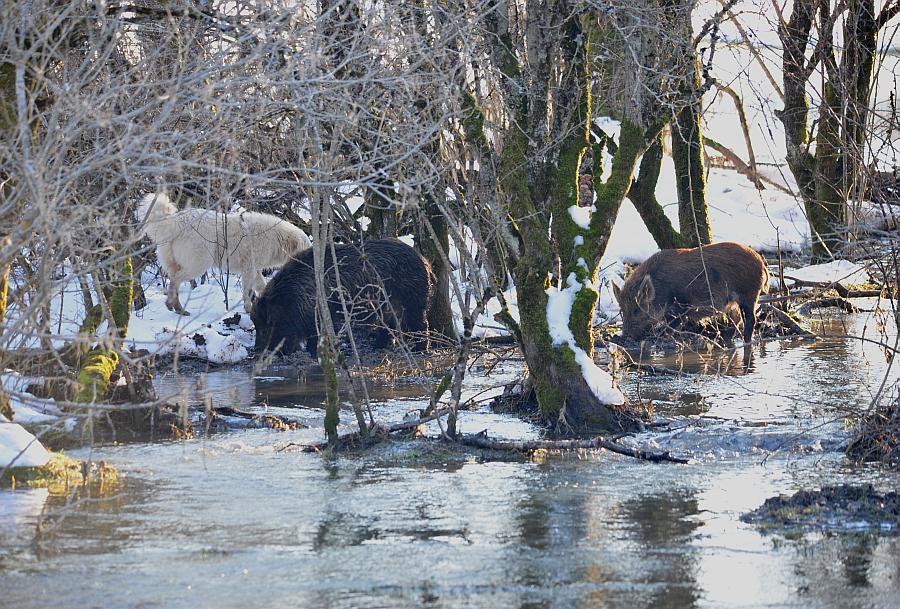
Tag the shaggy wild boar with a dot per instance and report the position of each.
(693, 282)
(386, 284)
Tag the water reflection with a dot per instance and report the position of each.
(664, 525)
(229, 521)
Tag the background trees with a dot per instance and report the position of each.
(503, 134)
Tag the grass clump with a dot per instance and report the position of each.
(61, 474)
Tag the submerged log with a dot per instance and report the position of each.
(381, 433)
(481, 440)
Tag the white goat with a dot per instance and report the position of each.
(191, 241)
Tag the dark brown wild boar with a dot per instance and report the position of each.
(694, 282)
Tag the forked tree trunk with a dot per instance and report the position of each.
(825, 177)
(559, 378)
(643, 196)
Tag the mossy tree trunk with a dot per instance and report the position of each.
(643, 196)
(535, 184)
(690, 173)
(94, 376)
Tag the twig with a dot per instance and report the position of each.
(376, 432)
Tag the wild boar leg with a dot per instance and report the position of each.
(749, 313)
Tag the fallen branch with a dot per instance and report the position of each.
(741, 167)
(786, 320)
(377, 433)
(481, 440)
(821, 303)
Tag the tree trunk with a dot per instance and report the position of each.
(826, 213)
(94, 376)
(690, 175)
(435, 245)
(643, 195)
(380, 210)
(5, 407)
(795, 116)
(559, 366)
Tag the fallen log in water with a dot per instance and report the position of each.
(481, 440)
(380, 433)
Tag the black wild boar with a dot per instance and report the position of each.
(694, 282)
(386, 284)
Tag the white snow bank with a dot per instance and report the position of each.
(842, 271)
(218, 343)
(559, 309)
(203, 334)
(206, 304)
(19, 448)
(26, 407)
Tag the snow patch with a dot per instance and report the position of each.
(610, 126)
(559, 309)
(842, 271)
(582, 215)
(19, 448)
(206, 343)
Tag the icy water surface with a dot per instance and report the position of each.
(232, 521)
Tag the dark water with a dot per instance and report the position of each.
(232, 521)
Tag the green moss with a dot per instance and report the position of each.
(473, 122)
(93, 379)
(122, 297)
(332, 393)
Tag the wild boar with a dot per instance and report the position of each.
(386, 285)
(695, 282)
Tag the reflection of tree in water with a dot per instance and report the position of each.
(97, 522)
(550, 522)
(664, 525)
(577, 547)
(864, 563)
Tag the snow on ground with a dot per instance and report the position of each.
(201, 334)
(19, 448)
(842, 271)
(26, 407)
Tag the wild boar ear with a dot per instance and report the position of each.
(617, 292)
(645, 291)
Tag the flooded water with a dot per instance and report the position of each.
(232, 520)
